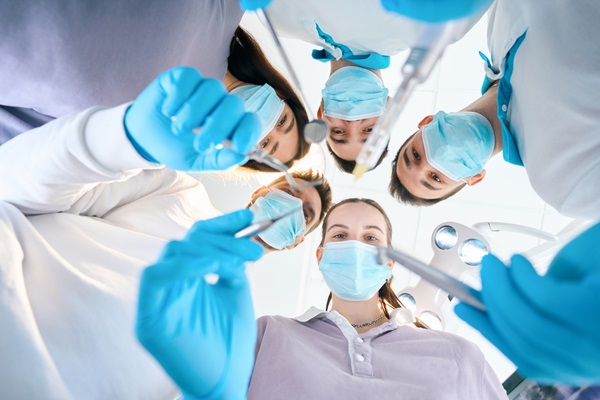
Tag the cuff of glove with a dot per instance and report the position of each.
(107, 141)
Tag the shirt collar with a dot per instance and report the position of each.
(398, 317)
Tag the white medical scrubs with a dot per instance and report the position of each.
(553, 113)
(364, 26)
(81, 214)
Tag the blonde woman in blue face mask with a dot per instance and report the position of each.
(364, 346)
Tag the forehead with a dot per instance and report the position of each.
(357, 215)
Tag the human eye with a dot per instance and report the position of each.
(282, 120)
(368, 130)
(436, 178)
(339, 236)
(416, 155)
(337, 131)
(265, 143)
(289, 191)
(305, 216)
(371, 238)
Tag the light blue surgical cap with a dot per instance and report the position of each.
(353, 93)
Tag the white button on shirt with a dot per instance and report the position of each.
(359, 339)
(504, 108)
(360, 358)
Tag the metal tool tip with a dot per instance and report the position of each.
(315, 131)
(382, 257)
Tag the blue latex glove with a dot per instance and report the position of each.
(251, 5)
(549, 326)
(203, 335)
(160, 121)
(579, 258)
(435, 10)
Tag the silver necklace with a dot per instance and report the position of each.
(376, 320)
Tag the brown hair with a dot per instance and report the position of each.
(248, 63)
(387, 297)
(348, 165)
(324, 190)
(401, 193)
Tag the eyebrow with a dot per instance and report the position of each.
(311, 213)
(274, 148)
(423, 182)
(405, 157)
(337, 226)
(373, 227)
(428, 186)
(292, 122)
(339, 141)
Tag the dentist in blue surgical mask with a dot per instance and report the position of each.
(311, 204)
(354, 97)
(268, 94)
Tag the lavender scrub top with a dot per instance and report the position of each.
(319, 355)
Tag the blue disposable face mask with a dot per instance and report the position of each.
(458, 144)
(282, 233)
(353, 93)
(351, 270)
(263, 101)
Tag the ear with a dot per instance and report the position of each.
(319, 254)
(299, 240)
(257, 191)
(475, 179)
(320, 110)
(425, 120)
(390, 264)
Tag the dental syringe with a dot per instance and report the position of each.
(416, 69)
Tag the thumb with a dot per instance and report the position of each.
(177, 85)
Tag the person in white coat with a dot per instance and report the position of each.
(539, 108)
(357, 39)
(81, 213)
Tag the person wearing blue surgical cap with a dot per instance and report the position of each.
(536, 108)
(549, 325)
(356, 38)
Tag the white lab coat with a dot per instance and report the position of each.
(81, 214)
(554, 111)
(382, 32)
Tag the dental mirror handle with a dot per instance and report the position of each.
(253, 229)
(260, 226)
(264, 18)
(433, 275)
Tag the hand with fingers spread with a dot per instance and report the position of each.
(547, 325)
(202, 334)
(161, 122)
